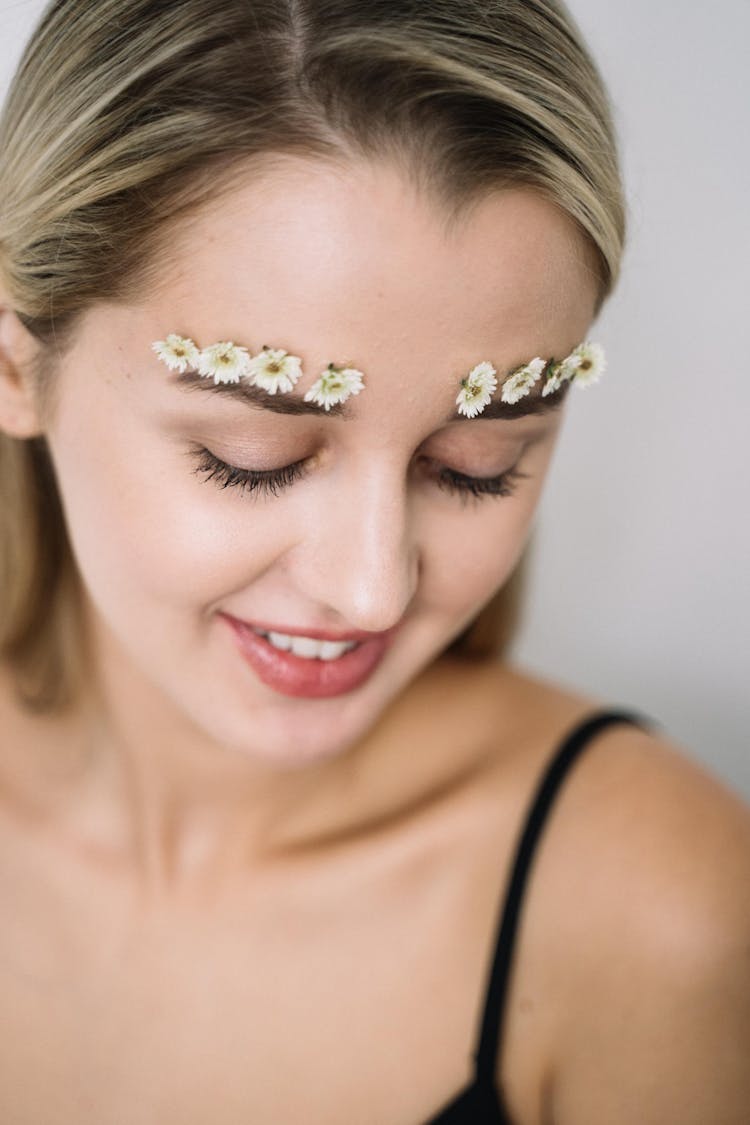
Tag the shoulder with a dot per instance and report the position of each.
(653, 1009)
(635, 935)
(671, 832)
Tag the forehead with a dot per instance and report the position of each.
(331, 254)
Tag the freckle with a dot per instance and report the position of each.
(527, 1005)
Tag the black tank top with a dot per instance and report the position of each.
(481, 1103)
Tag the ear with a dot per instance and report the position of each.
(19, 415)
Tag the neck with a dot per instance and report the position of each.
(143, 785)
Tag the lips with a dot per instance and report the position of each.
(302, 676)
(314, 634)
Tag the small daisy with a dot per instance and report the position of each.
(178, 352)
(554, 379)
(560, 373)
(476, 390)
(226, 362)
(520, 382)
(592, 364)
(335, 385)
(275, 370)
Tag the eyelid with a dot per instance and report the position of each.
(250, 480)
(271, 481)
(503, 484)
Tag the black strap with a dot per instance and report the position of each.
(487, 1051)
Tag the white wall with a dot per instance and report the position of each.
(17, 19)
(641, 570)
(640, 577)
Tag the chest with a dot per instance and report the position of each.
(343, 998)
(209, 1028)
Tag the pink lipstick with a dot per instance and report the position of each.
(306, 676)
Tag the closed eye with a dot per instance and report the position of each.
(263, 481)
(270, 482)
(502, 485)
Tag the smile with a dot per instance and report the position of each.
(311, 667)
(307, 647)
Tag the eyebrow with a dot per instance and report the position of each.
(290, 403)
(530, 404)
(251, 395)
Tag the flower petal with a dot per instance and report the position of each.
(520, 383)
(592, 364)
(335, 385)
(177, 352)
(225, 361)
(275, 370)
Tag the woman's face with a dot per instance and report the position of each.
(375, 534)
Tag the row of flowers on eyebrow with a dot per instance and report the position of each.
(277, 372)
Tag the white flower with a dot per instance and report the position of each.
(226, 362)
(178, 352)
(560, 373)
(592, 364)
(570, 365)
(476, 390)
(275, 370)
(553, 382)
(335, 385)
(519, 384)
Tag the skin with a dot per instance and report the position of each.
(187, 824)
(367, 541)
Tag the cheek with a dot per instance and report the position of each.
(142, 524)
(470, 567)
(474, 552)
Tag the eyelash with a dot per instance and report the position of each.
(270, 482)
(479, 487)
(263, 481)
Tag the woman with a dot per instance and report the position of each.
(269, 805)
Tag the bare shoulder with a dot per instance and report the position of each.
(635, 938)
(646, 880)
(657, 845)
(670, 840)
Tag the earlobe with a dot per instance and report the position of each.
(19, 414)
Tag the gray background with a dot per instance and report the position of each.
(640, 573)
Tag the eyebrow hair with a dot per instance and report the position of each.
(290, 403)
(256, 396)
(530, 404)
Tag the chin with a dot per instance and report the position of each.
(292, 734)
(230, 706)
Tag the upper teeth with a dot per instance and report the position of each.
(307, 647)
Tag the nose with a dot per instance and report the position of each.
(362, 558)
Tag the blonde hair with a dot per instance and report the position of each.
(124, 114)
